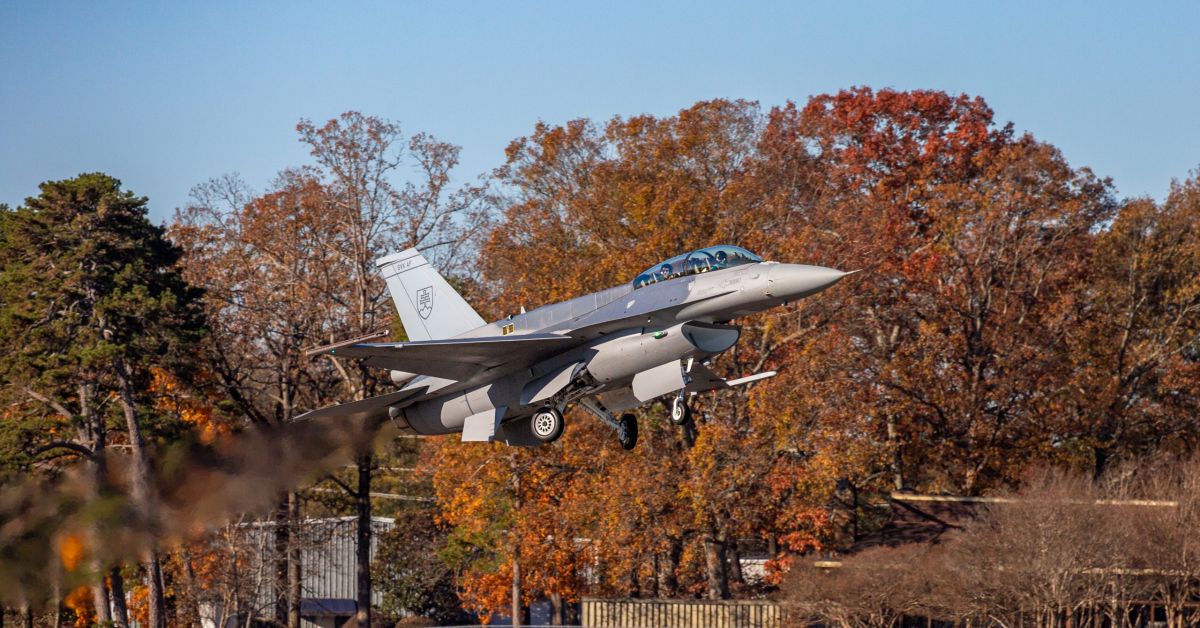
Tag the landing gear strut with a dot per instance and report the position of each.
(626, 426)
(547, 424)
(681, 412)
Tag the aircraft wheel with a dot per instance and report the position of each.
(681, 412)
(547, 425)
(627, 432)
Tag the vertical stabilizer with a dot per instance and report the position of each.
(429, 308)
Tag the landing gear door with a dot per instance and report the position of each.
(658, 381)
(481, 427)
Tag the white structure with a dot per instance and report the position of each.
(328, 581)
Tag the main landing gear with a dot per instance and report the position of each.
(626, 426)
(547, 424)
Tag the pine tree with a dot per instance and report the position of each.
(91, 304)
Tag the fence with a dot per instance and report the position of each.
(596, 613)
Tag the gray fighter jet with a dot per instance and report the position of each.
(611, 351)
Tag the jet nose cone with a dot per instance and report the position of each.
(794, 281)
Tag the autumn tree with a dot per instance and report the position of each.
(294, 268)
(1134, 352)
(972, 240)
(409, 573)
(938, 368)
(484, 544)
(356, 157)
(254, 256)
(623, 197)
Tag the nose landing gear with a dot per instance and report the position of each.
(681, 412)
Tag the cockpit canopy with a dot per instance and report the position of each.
(698, 261)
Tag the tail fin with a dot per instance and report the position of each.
(429, 308)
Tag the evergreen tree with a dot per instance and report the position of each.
(91, 306)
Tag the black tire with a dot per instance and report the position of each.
(680, 411)
(627, 433)
(547, 425)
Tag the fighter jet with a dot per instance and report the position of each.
(608, 352)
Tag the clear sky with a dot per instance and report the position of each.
(165, 95)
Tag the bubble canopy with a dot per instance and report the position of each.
(698, 261)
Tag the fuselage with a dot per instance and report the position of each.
(619, 333)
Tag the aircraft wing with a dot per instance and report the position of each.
(372, 407)
(601, 321)
(704, 379)
(457, 358)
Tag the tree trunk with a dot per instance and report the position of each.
(280, 556)
(154, 583)
(1103, 457)
(668, 583)
(96, 428)
(362, 556)
(735, 563)
(191, 613)
(516, 587)
(120, 615)
(100, 601)
(714, 562)
(516, 556)
(141, 490)
(294, 560)
(893, 436)
(655, 592)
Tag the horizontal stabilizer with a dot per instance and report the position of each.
(457, 358)
(323, 349)
(370, 408)
(703, 379)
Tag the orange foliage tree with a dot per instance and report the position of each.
(663, 519)
(293, 268)
(972, 239)
(1132, 390)
(936, 368)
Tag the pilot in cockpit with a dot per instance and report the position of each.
(665, 272)
(722, 259)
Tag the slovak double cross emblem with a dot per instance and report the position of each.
(425, 301)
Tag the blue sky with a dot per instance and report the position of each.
(165, 95)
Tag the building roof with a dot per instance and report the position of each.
(327, 607)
